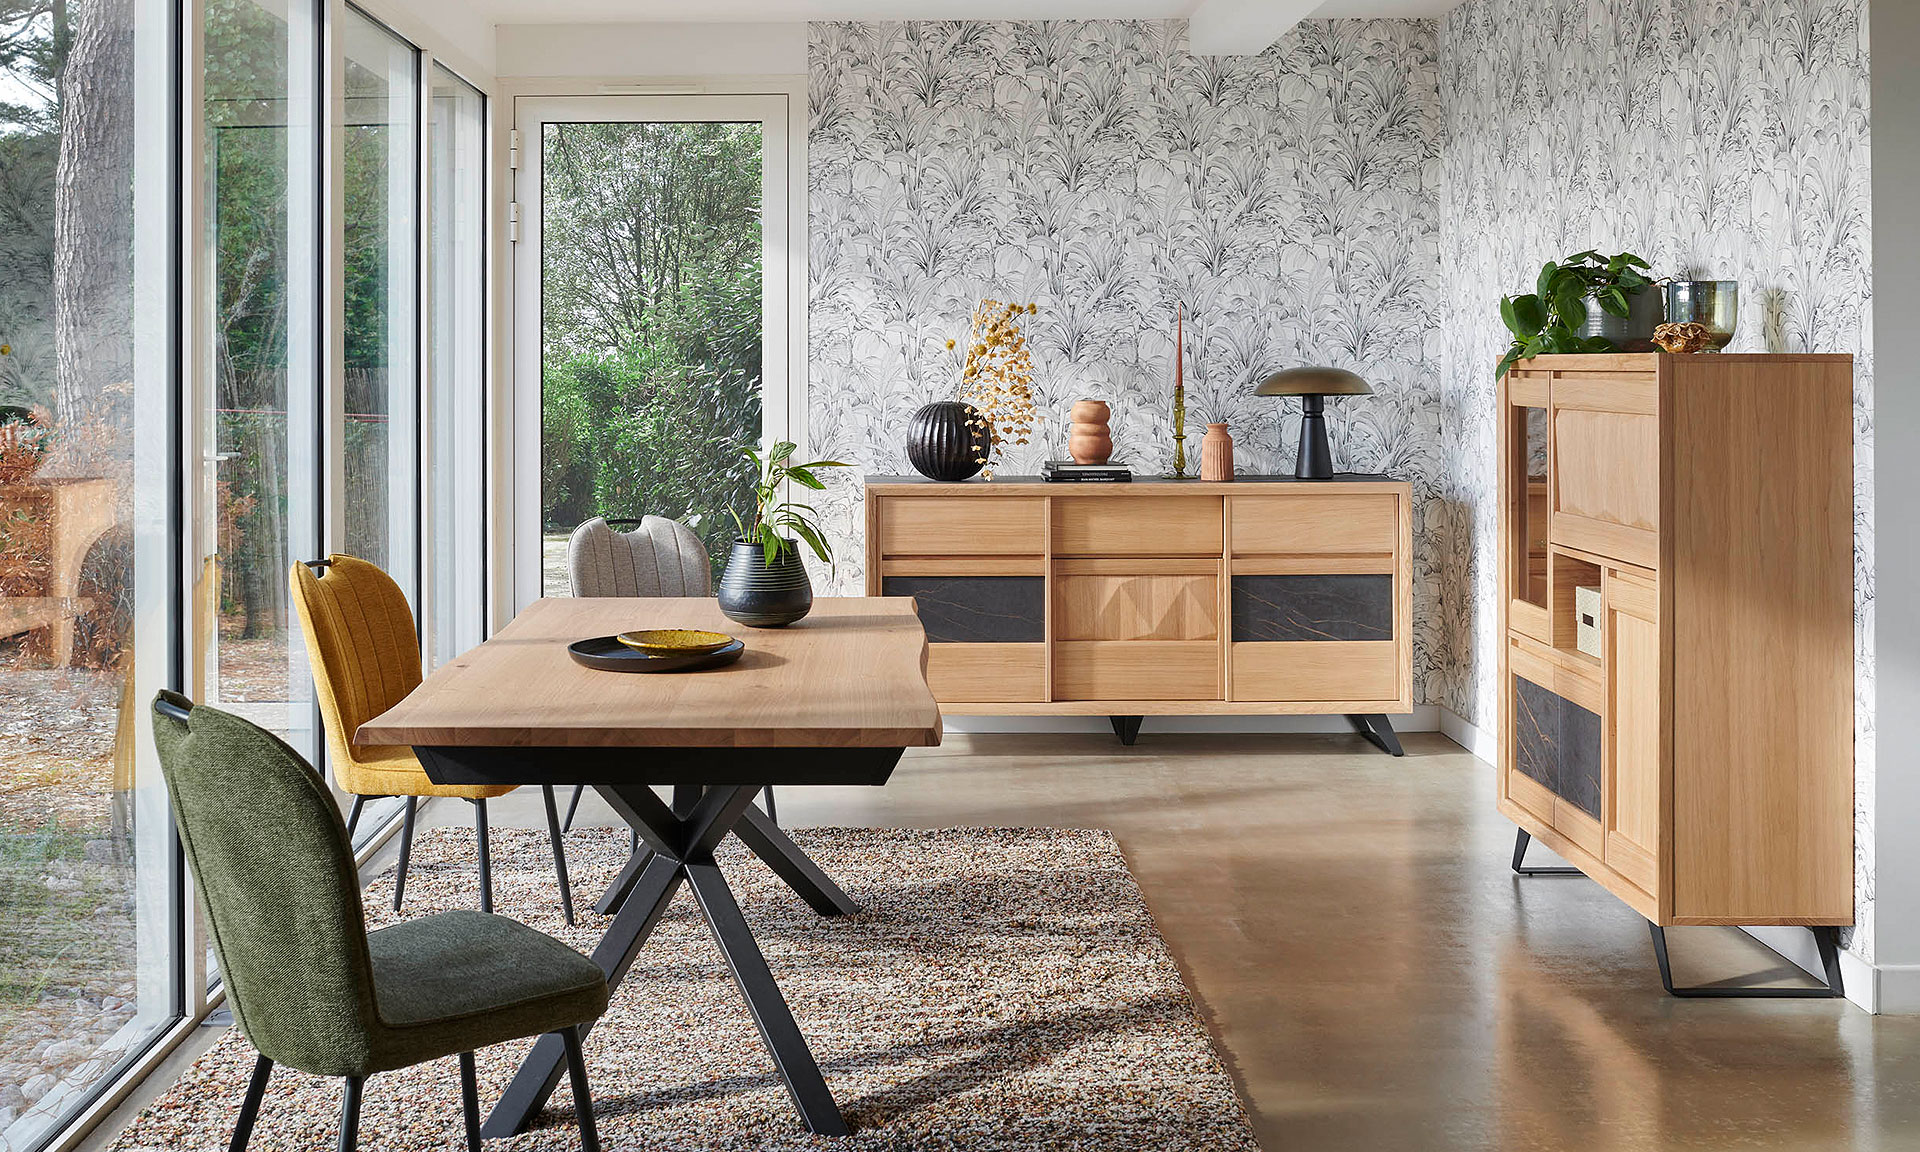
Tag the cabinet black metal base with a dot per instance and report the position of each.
(1378, 730)
(1126, 727)
(1825, 938)
(1521, 839)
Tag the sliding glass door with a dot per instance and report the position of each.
(89, 891)
(650, 318)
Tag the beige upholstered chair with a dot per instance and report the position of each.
(658, 557)
(661, 557)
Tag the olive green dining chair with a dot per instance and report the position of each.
(309, 986)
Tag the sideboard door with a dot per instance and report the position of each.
(1636, 743)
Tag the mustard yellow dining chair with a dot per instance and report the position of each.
(365, 654)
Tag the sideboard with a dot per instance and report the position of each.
(1257, 596)
(1690, 747)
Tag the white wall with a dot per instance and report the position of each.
(651, 51)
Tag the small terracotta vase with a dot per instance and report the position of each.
(1216, 454)
(1088, 440)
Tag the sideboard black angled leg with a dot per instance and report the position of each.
(1126, 727)
(1521, 839)
(1378, 730)
(1825, 938)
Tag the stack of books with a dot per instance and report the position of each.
(1062, 470)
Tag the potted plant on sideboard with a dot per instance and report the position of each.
(764, 584)
(1556, 316)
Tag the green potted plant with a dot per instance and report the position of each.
(1555, 316)
(764, 584)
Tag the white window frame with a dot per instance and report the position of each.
(781, 116)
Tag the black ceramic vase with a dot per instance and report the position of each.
(946, 442)
(763, 596)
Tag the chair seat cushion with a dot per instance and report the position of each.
(459, 981)
(396, 771)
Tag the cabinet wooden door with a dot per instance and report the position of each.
(1635, 744)
(1605, 469)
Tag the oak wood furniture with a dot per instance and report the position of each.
(1257, 596)
(1701, 768)
(833, 699)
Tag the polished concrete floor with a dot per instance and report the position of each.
(1376, 976)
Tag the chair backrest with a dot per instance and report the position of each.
(361, 643)
(276, 879)
(662, 557)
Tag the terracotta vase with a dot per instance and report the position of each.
(1216, 454)
(1088, 440)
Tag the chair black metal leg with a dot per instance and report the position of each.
(573, 806)
(1521, 839)
(1825, 938)
(773, 813)
(470, 1100)
(353, 815)
(1378, 730)
(1126, 727)
(559, 853)
(582, 1095)
(350, 1115)
(485, 853)
(406, 851)
(250, 1107)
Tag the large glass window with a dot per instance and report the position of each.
(261, 506)
(87, 884)
(458, 271)
(380, 316)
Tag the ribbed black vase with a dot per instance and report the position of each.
(762, 596)
(946, 442)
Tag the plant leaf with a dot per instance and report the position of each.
(1543, 287)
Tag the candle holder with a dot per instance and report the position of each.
(1179, 396)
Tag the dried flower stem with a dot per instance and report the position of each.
(998, 380)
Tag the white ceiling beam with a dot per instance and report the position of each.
(1243, 27)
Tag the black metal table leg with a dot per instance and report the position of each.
(1825, 938)
(1378, 730)
(680, 842)
(778, 1032)
(1521, 839)
(1126, 727)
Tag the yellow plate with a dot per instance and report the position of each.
(675, 641)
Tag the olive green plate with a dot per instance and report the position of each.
(675, 641)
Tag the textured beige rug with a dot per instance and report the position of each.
(1002, 989)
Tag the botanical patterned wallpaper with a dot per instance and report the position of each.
(1724, 139)
(1097, 168)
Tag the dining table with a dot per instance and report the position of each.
(834, 699)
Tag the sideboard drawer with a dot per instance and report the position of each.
(1315, 523)
(1137, 606)
(1136, 670)
(987, 673)
(1136, 526)
(1328, 670)
(962, 526)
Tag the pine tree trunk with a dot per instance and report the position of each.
(93, 240)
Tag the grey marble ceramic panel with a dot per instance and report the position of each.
(1317, 607)
(1557, 743)
(976, 609)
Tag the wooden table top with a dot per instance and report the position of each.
(851, 675)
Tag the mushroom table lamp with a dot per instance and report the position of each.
(1313, 385)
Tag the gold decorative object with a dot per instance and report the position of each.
(998, 379)
(1687, 336)
(675, 641)
(1179, 392)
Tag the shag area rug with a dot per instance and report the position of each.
(1001, 989)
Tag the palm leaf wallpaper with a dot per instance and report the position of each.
(1360, 195)
(1288, 200)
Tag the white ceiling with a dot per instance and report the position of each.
(599, 11)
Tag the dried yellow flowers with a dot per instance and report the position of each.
(998, 380)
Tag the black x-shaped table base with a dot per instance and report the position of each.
(677, 846)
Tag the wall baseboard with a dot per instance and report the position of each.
(1425, 718)
(1473, 738)
(1866, 985)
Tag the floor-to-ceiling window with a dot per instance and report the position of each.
(456, 615)
(88, 614)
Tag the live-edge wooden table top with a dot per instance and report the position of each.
(850, 675)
